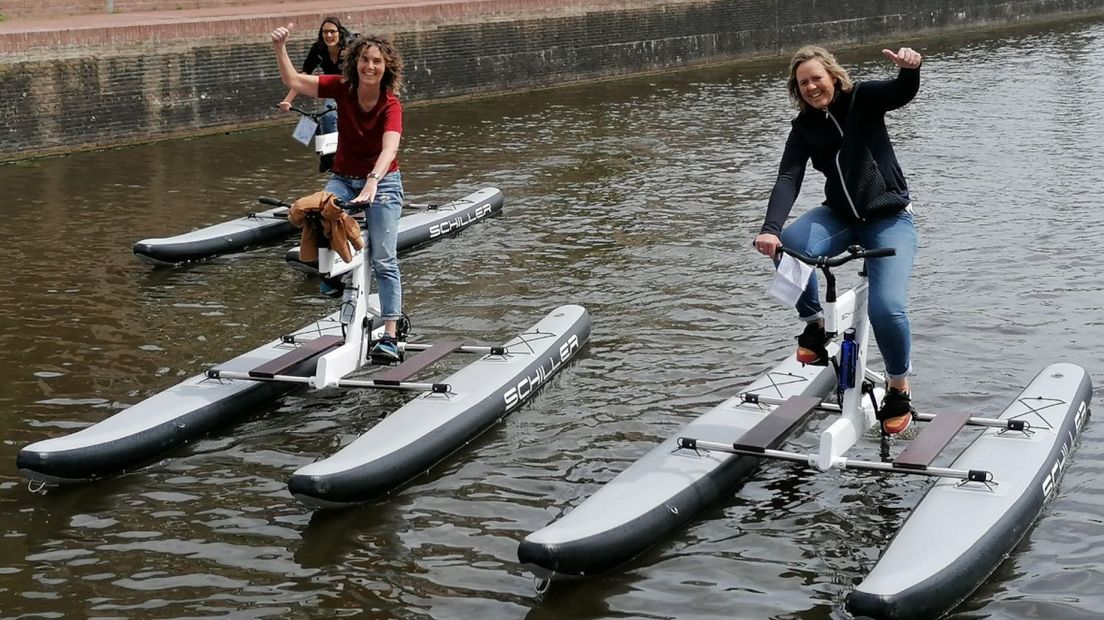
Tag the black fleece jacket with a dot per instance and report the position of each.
(814, 135)
(319, 56)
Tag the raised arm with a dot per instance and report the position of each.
(895, 93)
(298, 82)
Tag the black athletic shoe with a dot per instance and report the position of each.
(811, 345)
(896, 411)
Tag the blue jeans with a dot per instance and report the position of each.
(822, 232)
(383, 234)
(327, 123)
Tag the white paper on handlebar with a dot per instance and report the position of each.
(304, 131)
(790, 280)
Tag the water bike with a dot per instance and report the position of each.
(978, 509)
(330, 353)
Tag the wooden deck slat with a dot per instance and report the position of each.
(418, 362)
(780, 421)
(299, 354)
(931, 440)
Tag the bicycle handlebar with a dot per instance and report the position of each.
(272, 202)
(853, 252)
(351, 206)
(312, 115)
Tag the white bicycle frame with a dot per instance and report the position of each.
(336, 364)
(849, 310)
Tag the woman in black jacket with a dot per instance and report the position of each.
(841, 129)
(327, 52)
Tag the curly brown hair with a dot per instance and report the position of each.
(393, 73)
(831, 65)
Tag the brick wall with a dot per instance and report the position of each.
(44, 9)
(49, 106)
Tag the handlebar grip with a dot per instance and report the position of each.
(879, 253)
(777, 252)
(349, 205)
(272, 202)
(801, 256)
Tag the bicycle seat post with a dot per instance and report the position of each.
(829, 302)
(829, 285)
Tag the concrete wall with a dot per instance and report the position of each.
(127, 95)
(44, 9)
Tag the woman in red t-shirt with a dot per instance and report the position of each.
(365, 168)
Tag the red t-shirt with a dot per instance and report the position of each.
(360, 133)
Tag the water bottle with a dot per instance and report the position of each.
(348, 304)
(849, 359)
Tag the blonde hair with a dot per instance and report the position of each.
(831, 65)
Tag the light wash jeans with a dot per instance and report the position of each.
(822, 232)
(383, 234)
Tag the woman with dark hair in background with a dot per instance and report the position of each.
(327, 52)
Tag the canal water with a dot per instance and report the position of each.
(636, 198)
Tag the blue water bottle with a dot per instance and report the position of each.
(849, 359)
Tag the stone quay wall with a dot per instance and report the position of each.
(220, 75)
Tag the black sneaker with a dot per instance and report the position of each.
(896, 411)
(811, 345)
(386, 350)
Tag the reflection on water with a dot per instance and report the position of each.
(635, 198)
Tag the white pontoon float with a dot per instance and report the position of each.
(424, 223)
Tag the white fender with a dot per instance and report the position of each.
(330, 263)
(326, 143)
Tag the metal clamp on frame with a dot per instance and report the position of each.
(1017, 426)
(979, 475)
(687, 443)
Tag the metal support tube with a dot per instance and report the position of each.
(810, 461)
(923, 417)
(438, 388)
(481, 350)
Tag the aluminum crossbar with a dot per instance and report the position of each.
(970, 475)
